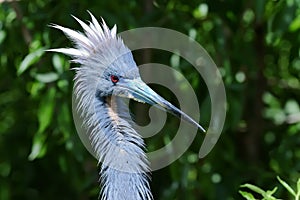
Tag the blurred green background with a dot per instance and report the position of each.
(254, 43)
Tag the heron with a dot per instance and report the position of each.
(106, 76)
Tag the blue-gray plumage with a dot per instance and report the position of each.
(106, 76)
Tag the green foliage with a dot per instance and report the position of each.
(254, 43)
(268, 195)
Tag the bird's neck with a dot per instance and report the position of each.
(124, 165)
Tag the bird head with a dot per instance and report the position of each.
(107, 68)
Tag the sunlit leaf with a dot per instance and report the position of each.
(38, 148)
(201, 11)
(2, 36)
(253, 188)
(295, 25)
(175, 60)
(298, 188)
(29, 60)
(269, 193)
(35, 88)
(247, 195)
(58, 63)
(47, 77)
(292, 107)
(284, 184)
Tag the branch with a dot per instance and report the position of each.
(25, 31)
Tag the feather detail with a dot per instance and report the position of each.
(124, 170)
(93, 40)
(76, 37)
(69, 51)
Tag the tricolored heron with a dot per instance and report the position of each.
(106, 76)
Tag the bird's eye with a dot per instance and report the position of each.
(114, 78)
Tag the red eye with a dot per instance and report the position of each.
(114, 78)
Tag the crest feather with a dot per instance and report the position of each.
(68, 51)
(88, 42)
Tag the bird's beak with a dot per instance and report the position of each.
(137, 90)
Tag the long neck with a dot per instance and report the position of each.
(124, 166)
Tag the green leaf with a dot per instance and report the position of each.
(58, 63)
(254, 188)
(45, 113)
(2, 36)
(201, 11)
(47, 77)
(35, 89)
(298, 187)
(64, 120)
(39, 147)
(269, 193)
(292, 107)
(247, 195)
(291, 191)
(45, 110)
(63, 85)
(29, 60)
(297, 197)
(175, 61)
(295, 25)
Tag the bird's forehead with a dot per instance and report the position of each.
(124, 65)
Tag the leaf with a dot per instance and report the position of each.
(29, 60)
(298, 187)
(64, 120)
(47, 77)
(175, 60)
(63, 85)
(269, 193)
(247, 195)
(254, 188)
(44, 114)
(38, 148)
(295, 25)
(286, 186)
(201, 12)
(45, 110)
(2, 36)
(58, 63)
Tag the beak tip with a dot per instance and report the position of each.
(202, 129)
